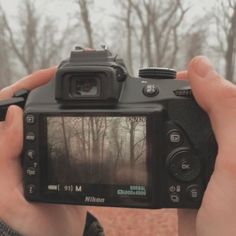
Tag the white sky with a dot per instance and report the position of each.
(61, 8)
(103, 9)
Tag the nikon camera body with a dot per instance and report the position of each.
(96, 136)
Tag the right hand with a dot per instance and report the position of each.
(217, 96)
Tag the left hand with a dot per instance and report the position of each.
(29, 218)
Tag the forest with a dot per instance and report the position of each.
(101, 150)
(162, 33)
(36, 34)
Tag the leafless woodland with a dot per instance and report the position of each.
(144, 32)
(97, 149)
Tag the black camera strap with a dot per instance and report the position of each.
(93, 227)
(18, 99)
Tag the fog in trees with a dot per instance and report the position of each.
(144, 32)
(109, 150)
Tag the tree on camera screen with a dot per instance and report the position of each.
(97, 150)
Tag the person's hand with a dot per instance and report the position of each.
(26, 218)
(217, 97)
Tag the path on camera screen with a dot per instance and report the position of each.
(107, 150)
(133, 222)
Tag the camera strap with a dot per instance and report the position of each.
(93, 227)
(19, 99)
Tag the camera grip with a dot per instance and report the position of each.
(195, 123)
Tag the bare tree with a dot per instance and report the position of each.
(26, 52)
(194, 43)
(154, 28)
(6, 67)
(128, 30)
(37, 43)
(85, 17)
(225, 18)
(143, 12)
(231, 44)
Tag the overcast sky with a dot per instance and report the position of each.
(102, 12)
(61, 8)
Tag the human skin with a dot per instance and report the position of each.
(26, 218)
(216, 215)
(217, 97)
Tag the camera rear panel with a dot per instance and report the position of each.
(107, 139)
(164, 168)
(101, 158)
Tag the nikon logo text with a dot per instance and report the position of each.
(94, 199)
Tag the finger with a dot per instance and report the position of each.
(217, 97)
(182, 75)
(187, 221)
(29, 82)
(11, 142)
(11, 134)
(207, 85)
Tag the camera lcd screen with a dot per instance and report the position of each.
(97, 150)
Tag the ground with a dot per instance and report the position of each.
(133, 222)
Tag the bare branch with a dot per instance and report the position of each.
(12, 39)
(86, 21)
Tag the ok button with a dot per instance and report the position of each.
(184, 165)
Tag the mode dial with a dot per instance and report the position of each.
(157, 73)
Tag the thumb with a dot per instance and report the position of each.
(11, 135)
(217, 97)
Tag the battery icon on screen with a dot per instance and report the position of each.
(53, 187)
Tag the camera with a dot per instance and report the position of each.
(94, 135)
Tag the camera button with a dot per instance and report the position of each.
(150, 90)
(184, 92)
(174, 198)
(31, 189)
(31, 171)
(30, 119)
(193, 193)
(175, 138)
(31, 154)
(30, 136)
(184, 165)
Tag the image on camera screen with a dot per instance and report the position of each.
(97, 150)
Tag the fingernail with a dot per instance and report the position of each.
(6, 93)
(202, 66)
(11, 116)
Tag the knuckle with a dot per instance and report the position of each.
(6, 92)
(225, 96)
(228, 90)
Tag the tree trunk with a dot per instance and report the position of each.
(86, 21)
(230, 51)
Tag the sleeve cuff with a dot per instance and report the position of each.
(5, 230)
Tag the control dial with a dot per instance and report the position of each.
(184, 165)
(157, 73)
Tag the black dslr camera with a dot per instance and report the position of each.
(96, 136)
